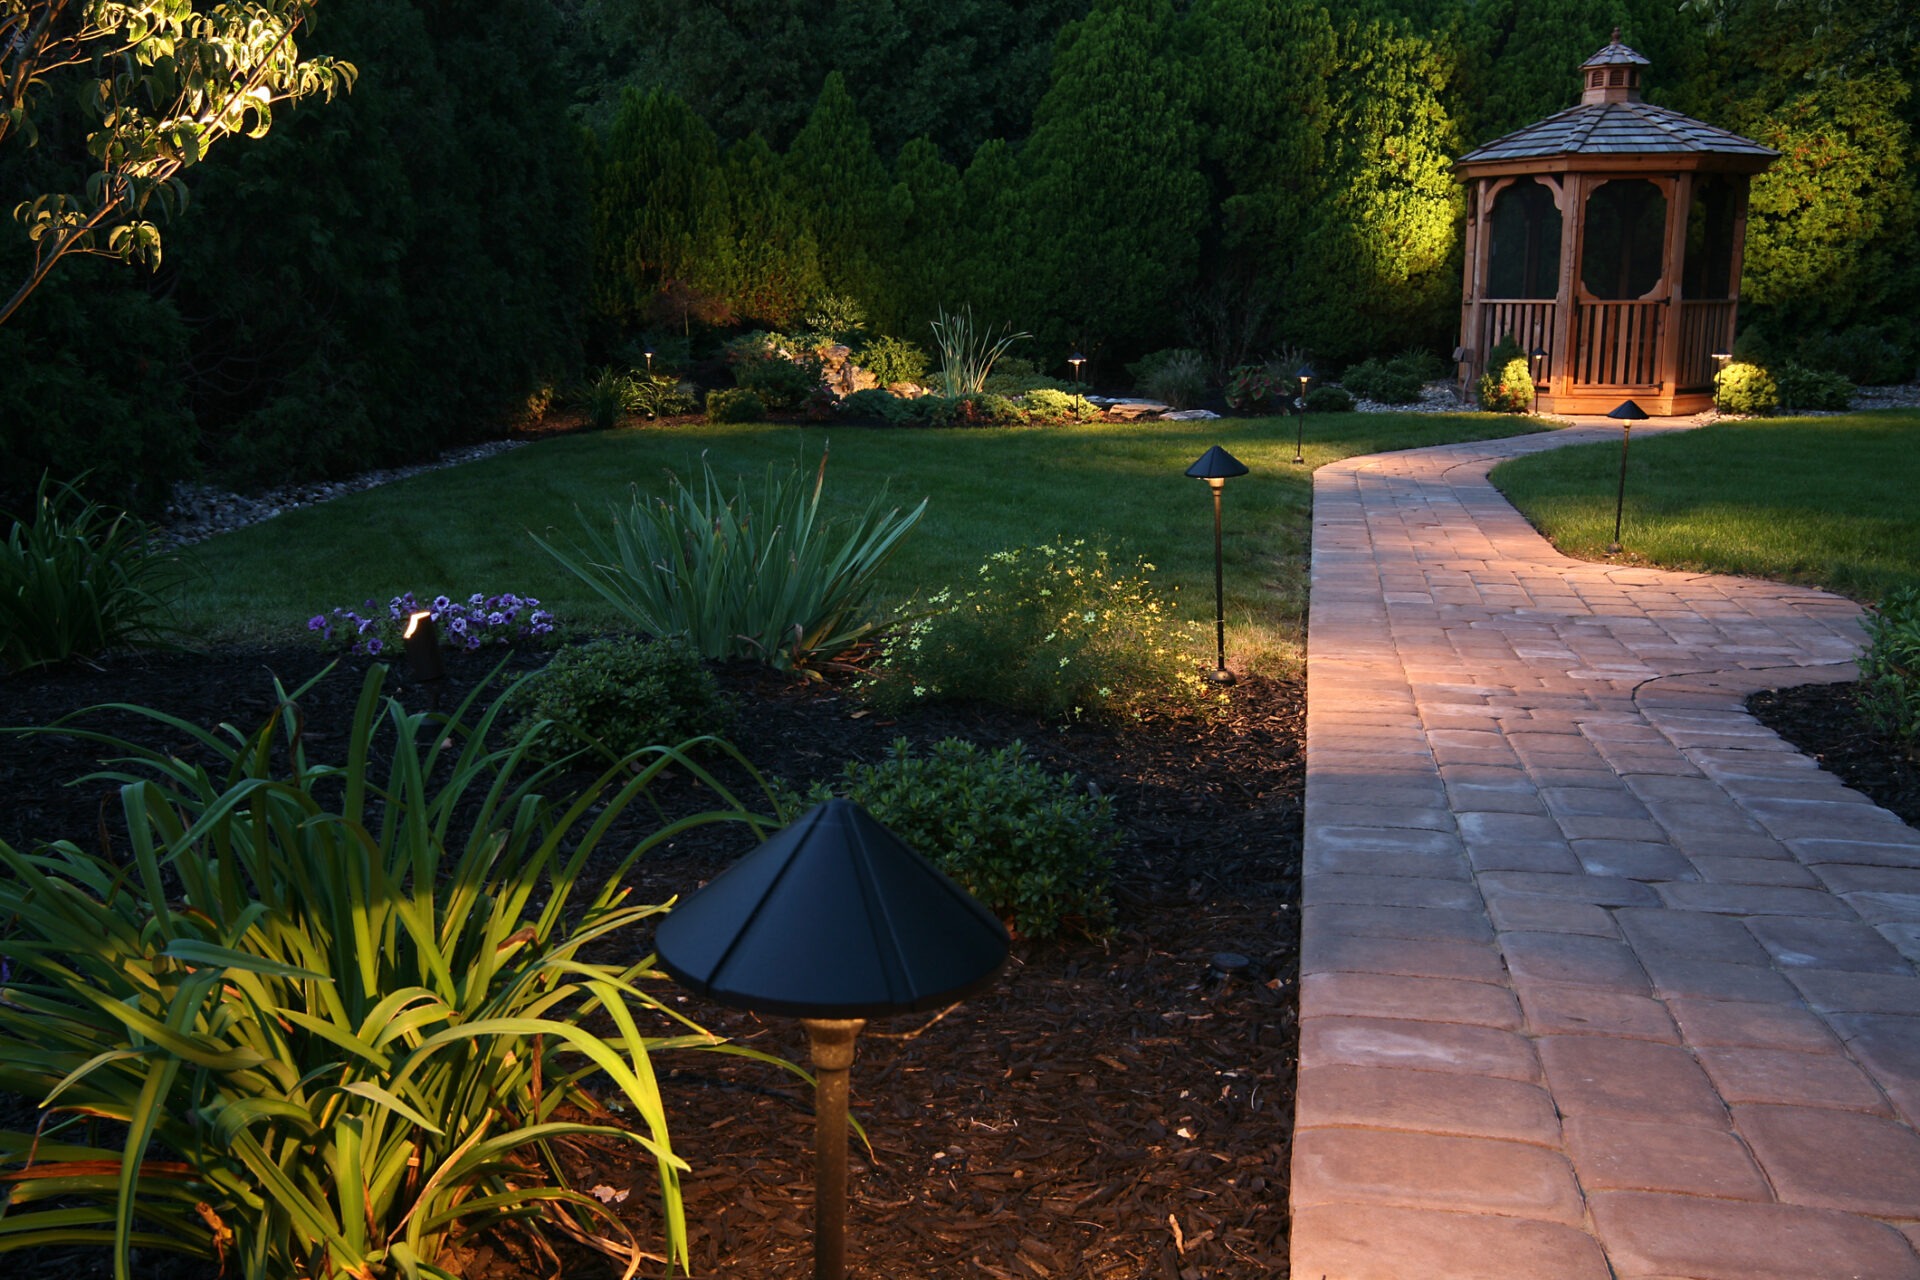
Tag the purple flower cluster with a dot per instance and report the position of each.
(472, 623)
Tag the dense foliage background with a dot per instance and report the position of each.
(516, 189)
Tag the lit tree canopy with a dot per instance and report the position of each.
(161, 81)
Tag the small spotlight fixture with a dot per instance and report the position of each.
(1536, 366)
(649, 354)
(1626, 413)
(422, 642)
(1304, 374)
(1216, 466)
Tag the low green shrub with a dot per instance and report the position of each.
(1045, 406)
(1865, 354)
(605, 397)
(774, 579)
(342, 1015)
(617, 697)
(1030, 844)
(659, 395)
(1421, 364)
(1015, 376)
(892, 360)
(1889, 688)
(781, 381)
(870, 406)
(1803, 388)
(1177, 376)
(1057, 629)
(1329, 400)
(836, 317)
(77, 580)
(1744, 388)
(734, 405)
(1506, 386)
(1383, 383)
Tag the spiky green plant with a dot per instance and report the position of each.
(77, 580)
(776, 579)
(967, 354)
(322, 1019)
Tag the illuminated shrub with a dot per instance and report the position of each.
(1744, 388)
(1032, 845)
(1506, 386)
(891, 360)
(735, 405)
(1045, 405)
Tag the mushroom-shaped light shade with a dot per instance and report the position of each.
(1305, 374)
(1627, 411)
(1076, 359)
(1217, 464)
(833, 917)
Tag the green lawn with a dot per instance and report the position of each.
(1833, 502)
(465, 529)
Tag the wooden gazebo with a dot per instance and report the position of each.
(1608, 236)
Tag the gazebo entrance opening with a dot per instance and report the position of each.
(1609, 237)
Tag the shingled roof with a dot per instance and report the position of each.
(1612, 120)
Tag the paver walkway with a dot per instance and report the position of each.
(1600, 978)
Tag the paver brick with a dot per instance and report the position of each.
(1379, 995)
(1388, 891)
(1753, 900)
(1552, 1009)
(1601, 891)
(1416, 1046)
(1836, 991)
(1634, 860)
(1600, 1077)
(1747, 870)
(1330, 952)
(1372, 1242)
(1821, 1079)
(1381, 862)
(1430, 1171)
(1677, 975)
(1649, 1235)
(1573, 959)
(1551, 915)
(1694, 935)
(1627, 1155)
(1796, 943)
(1428, 1102)
(1429, 923)
(1835, 1159)
(1789, 1027)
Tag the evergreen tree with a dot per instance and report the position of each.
(1114, 183)
(659, 208)
(768, 263)
(928, 250)
(836, 187)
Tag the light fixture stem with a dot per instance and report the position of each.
(831, 1042)
(1220, 673)
(1620, 498)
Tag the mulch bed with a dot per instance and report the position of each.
(1110, 1107)
(1823, 721)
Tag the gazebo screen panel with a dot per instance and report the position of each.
(1623, 240)
(1523, 259)
(1711, 214)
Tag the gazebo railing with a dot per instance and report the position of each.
(1530, 322)
(1617, 344)
(1705, 327)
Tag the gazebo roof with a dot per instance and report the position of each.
(1622, 128)
(1611, 120)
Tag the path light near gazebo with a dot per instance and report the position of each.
(1626, 413)
(832, 920)
(1305, 374)
(1076, 360)
(1536, 367)
(1216, 466)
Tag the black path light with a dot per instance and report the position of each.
(1626, 413)
(1216, 466)
(1076, 360)
(833, 920)
(1536, 365)
(1304, 374)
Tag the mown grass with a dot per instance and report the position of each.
(465, 529)
(1830, 502)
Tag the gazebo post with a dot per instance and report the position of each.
(1679, 204)
(1567, 195)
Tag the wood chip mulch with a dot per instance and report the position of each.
(1112, 1107)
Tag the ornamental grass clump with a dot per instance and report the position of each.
(77, 580)
(1057, 629)
(773, 578)
(1889, 689)
(1032, 845)
(967, 354)
(336, 1019)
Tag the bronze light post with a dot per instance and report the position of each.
(1626, 413)
(1304, 374)
(832, 920)
(1076, 360)
(1216, 466)
(1536, 365)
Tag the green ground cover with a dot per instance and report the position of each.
(1832, 502)
(466, 529)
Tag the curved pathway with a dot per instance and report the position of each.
(1600, 978)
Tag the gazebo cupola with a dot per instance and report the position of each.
(1608, 236)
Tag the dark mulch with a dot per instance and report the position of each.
(1110, 1108)
(1824, 722)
